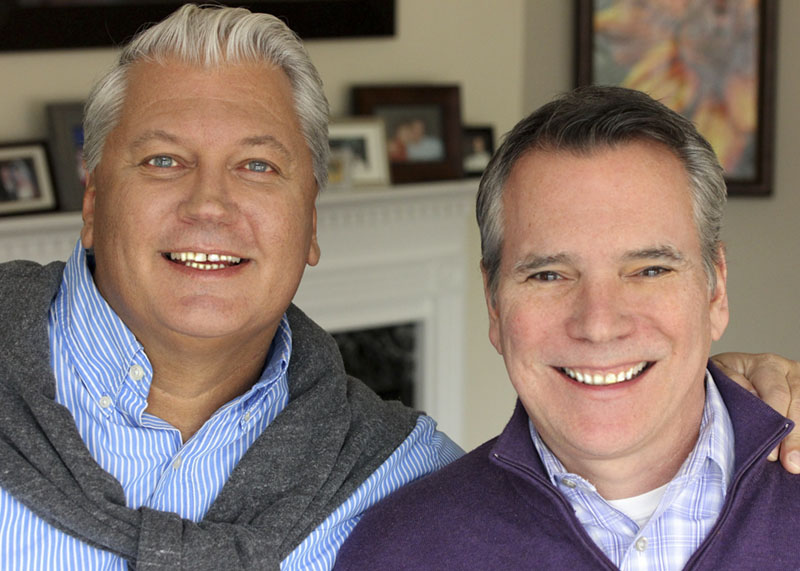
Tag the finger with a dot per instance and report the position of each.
(735, 376)
(790, 447)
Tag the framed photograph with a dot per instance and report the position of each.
(713, 62)
(423, 128)
(24, 179)
(358, 152)
(40, 24)
(65, 127)
(477, 147)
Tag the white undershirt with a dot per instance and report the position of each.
(640, 508)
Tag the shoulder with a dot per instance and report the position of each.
(26, 291)
(447, 503)
(26, 274)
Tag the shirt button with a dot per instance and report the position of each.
(105, 401)
(177, 462)
(641, 544)
(136, 372)
(246, 416)
(569, 483)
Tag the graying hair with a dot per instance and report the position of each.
(589, 118)
(210, 36)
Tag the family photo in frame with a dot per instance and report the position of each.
(423, 128)
(25, 184)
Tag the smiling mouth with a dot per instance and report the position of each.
(204, 261)
(588, 378)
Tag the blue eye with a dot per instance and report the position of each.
(162, 161)
(258, 166)
(653, 271)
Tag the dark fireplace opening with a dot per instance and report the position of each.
(384, 358)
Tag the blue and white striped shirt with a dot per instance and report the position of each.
(103, 377)
(687, 511)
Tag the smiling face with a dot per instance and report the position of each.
(201, 212)
(603, 312)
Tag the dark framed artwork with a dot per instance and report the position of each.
(56, 24)
(712, 61)
(423, 128)
(25, 184)
(477, 147)
(65, 128)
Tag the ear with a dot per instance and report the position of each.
(718, 306)
(494, 316)
(87, 232)
(313, 249)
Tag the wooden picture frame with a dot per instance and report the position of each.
(65, 137)
(41, 24)
(358, 148)
(714, 64)
(423, 128)
(25, 184)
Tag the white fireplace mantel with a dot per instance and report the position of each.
(389, 255)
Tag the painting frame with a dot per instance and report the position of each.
(24, 170)
(437, 108)
(35, 25)
(364, 139)
(65, 138)
(758, 156)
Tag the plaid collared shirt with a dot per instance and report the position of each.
(686, 512)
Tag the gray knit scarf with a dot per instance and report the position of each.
(332, 435)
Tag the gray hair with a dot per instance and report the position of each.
(209, 36)
(584, 120)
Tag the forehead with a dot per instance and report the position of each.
(636, 191)
(171, 90)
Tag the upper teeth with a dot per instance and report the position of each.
(608, 378)
(198, 260)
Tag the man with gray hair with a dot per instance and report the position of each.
(605, 282)
(162, 403)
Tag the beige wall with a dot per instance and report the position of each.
(509, 56)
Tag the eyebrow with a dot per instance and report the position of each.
(268, 141)
(665, 252)
(533, 262)
(154, 135)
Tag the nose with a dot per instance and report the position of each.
(209, 198)
(600, 313)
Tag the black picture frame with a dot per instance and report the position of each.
(25, 183)
(437, 108)
(746, 148)
(49, 24)
(477, 147)
(65, 138)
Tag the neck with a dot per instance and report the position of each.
(619, 480)
(643, 469)
(191, 383)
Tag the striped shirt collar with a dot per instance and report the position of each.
(103, 350)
